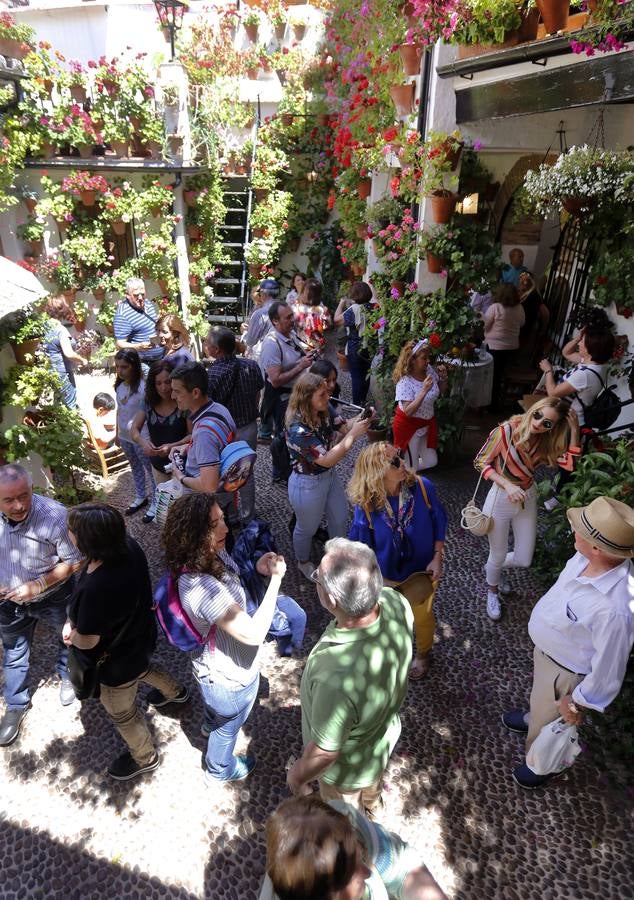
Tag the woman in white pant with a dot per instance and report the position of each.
(315, 448)
(548, 434)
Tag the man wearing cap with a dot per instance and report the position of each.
(259, 321)
(582, 628)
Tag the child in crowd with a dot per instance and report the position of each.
(103, 420)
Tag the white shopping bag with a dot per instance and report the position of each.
(554, 749)
(168, 491)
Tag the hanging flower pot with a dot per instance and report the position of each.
(190, 197)
(254, 271)
(194, 282)
(88, 198)
(280, 30)
(261, 194)
(35, 247)
(13, 49)
(258, 232)
(555, 14)
(48, 85)
(403, 98)
(577, 206)
(287, 119)
(435, 264)
(194, 232)
(411, 55)
(252, 32)
(163, 285)
(25, 352)
(78, 93)
(364, 187)
(119, 227)
(323, 119)
(299, 30)
(358, 269)
(252, 73)
(452, 152)
(398, 286)
(99, 294)
(110, 86)
(362, 232)
(442, 207)
(70, 295)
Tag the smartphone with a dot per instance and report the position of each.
(367, 413)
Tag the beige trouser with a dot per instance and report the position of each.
(415, 590)
(368, 800)
(550, 683)
(120, 704)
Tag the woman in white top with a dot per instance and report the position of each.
(502, 323)
(590, 353)
(297, 286)
(227, 665)
(129, 389)
(418, 386)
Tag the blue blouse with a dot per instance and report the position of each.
(401, 555)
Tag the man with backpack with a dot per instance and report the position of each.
(213, 428)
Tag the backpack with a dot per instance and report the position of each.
(237, 458)
(604, 409)
(174, 621)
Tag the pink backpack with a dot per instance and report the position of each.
(174, 621)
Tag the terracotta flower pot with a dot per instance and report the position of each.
(78, 93)
(358, 269)
(398, 286)
(435, 264)
(120, 148)
(252, 73)
(30, 204)
(190, 197)
(299, 31)
(530, 23)
(442, 208)
(254, 271)
(323, 119)
(119, 227)
(251, 32)
(375, 435)
(194, 232)
(280, 30)
(554, 13)
(452, 153)
(163, 285)
(411, 55)
(364, 187)
(194, 282)
(287, 119)
(48, 85)
(362, 232)
(342, 361)
(258, 232)
(261, 194)
(577, 206)
(35, 247)
(403, 98)
(70, 295)
(13, 49)
(25, 352)
(85, 150)
(88, 198)
(156, 211)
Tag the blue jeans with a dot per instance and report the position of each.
(359, 369)
(311, 496)
(226, 711)
(288, 628)
(141, 466)
(17, 627)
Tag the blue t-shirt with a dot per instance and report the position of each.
(179, 357)
(402, 552)
(53, 348)
(133, 325)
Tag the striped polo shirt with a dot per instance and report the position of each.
(33, 547)
(130, 324)
(206, 599)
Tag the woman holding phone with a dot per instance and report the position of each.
(399, 516)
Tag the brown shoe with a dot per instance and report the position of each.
(420, 667)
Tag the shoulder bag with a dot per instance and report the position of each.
(471, 516)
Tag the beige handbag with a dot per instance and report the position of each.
(472, 518)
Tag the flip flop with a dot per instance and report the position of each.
(420, 667)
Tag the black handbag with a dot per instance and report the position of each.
(84, 670)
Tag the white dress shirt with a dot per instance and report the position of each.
(587, 625)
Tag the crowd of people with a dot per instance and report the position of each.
(383, 537)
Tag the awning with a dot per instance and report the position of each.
(18, 287)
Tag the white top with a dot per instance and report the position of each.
(408, 387)
(502, 326)
(587, 625)
(206, 599)
(586, 385)
(128, 405)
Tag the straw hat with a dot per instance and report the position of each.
(608, 524)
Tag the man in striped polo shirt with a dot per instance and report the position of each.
(135, 323)
(37, 562)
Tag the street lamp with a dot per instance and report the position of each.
(170, 13)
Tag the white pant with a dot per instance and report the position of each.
(419, 455)
(522, 518)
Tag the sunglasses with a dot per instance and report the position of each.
(539, 417)
(396, 461)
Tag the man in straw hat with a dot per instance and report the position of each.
(582, 628)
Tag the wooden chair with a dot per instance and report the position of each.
(108, 460)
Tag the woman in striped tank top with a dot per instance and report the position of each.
(547, 434)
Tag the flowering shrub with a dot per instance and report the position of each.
(484, 22)
(122, 203)
(608, 26)
(593, 175)
(396, 246)
(87, 248)
(10, 30)
(84, 181)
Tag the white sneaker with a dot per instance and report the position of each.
(494, 608)
(551, 503)
(504, 585)
(307, 569)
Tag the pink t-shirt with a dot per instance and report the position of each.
(502, 326)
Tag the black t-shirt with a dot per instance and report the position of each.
(103, 601)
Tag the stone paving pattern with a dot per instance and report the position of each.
(69, 831)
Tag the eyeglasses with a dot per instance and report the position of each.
(539, 417)
(314, 576)
(396, 461)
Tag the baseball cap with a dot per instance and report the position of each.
(270, 285)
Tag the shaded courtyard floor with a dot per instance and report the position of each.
(67, 830)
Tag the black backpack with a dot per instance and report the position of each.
(605, 409)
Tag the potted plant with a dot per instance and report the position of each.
(99, 283)
(554, 14)
(155, 199)
(402, 95)
(582, 181)
(15, 40)
(482, 24)
(608, 26)
(86, 186)
(74, 126)
(298, 24)
(87, 248)
(119, 207)
(24, 331)
(76, 80)
(251, 22)
(55, 203)
(32, 233)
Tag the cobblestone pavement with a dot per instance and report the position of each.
(69, 831)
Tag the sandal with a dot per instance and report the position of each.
(420, 667)
(135, 507)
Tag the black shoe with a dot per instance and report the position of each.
(135, 507)
(321, 535)
(66, 691)
(292, 523)
(124, 767)
(157, 699)
(147, 518)
(11, 724)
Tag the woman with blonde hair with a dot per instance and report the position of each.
(175, 338)
(418, 386)
(399, 516)
(314, 488)
(547, 434)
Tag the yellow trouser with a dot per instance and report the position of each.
(415, 589)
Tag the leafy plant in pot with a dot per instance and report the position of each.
(24, 330)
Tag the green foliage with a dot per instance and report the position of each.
(486, 22)
(23, 325)
(611, 274)
(324, 257)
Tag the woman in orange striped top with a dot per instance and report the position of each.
(547, 434)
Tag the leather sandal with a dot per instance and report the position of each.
(420, 667)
